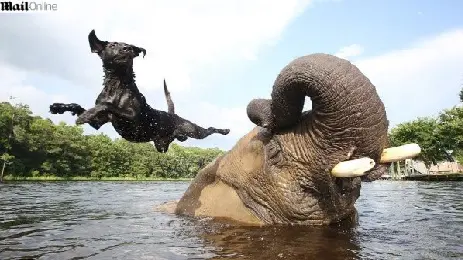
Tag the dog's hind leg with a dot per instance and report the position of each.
(187, 128)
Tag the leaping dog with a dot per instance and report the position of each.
(122, 104)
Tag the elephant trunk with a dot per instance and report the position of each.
(345, 106)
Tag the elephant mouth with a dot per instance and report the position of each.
(360, 167)
(346, 173)
(331, 200)
(320, 200)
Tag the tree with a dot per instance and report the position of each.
(435, 136)
(41, 148)
(7, 123)
(6, 158)
(450, 128)
(422, 131)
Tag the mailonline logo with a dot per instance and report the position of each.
(29, 6)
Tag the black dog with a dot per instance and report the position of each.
(122, 104)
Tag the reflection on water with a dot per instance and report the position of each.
(116, 220)
(282, 243)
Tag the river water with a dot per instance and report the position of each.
(116, 220)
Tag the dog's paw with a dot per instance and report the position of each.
(219, 131)
(57, 108)
(223, 131)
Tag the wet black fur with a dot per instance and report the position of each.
(121, 103)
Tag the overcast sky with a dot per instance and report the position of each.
(218, 55)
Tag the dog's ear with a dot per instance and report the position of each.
(96, 45)
(138, 50)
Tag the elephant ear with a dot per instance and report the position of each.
(96, 45)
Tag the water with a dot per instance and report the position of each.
(116, 220)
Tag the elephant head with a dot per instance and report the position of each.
(291, 169)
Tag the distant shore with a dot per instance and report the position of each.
(53, 178)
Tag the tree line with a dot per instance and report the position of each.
(32, 146)
(440, 137)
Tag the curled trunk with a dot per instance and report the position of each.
(346, 108)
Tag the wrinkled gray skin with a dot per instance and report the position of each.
(281, 173)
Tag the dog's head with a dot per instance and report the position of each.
(114, 54)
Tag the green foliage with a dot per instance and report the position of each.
(434, 135)
(7, 158)
(423, 132)
(44, 150)
(450, 128)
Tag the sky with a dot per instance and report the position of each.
(216, 56)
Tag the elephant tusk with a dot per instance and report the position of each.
(399, 153)
(353, 168)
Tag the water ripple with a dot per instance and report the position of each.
(116, 220)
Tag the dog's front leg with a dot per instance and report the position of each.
(100, 114)
(105, 111)
(95, 116)
(129, 113)
(75, 109)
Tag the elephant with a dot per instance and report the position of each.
(300, 167)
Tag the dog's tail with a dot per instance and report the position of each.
(170, 103)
